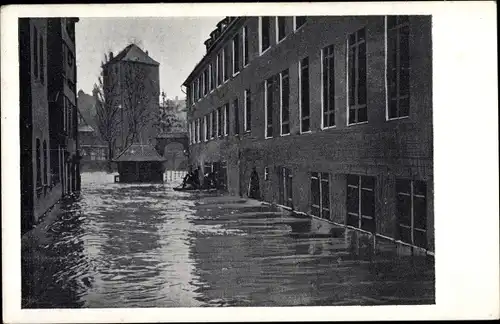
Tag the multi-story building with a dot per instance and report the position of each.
(48, 115)
(334, 113)
(132, 83)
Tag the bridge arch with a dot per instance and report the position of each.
(163, 140)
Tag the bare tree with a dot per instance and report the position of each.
(168, 116)
(137, 96)
(106, 117)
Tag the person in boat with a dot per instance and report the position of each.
(187, 178)
(195, 178)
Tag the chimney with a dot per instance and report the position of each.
(147, 53)
(110, 56)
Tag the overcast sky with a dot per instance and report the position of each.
(176, 43)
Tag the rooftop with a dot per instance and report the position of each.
(132, 53)
(139, 153)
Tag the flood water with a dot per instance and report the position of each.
(141, 245)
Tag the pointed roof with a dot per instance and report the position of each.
(133, 53)
(139, 153)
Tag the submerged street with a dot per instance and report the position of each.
(143, 245)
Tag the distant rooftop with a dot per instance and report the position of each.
(139, 153)
(132, 53)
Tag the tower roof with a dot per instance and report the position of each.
(133, 53)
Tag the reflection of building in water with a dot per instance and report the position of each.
(334, 112)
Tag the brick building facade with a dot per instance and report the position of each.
(334, 113)
(48, 115)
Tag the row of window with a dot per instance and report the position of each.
(217, 124)
(235, 56)
(410, 197)
(277, 88)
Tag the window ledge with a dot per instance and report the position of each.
(306, 132)
(397, 118)
(266, 50)
(329, 127)
(354, 124)
(235, 74)
(284, 135)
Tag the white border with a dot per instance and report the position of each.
(466, 259)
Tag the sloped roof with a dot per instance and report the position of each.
(139, 153)
(133, 53)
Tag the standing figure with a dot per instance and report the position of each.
(254, 185)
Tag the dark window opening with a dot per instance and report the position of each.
(357, 78)
(328, 87)
(361, 202)
(265, 41)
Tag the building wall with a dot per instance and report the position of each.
(384, 149)
(42, 87)
(119, 85)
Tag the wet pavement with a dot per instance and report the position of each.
(141, 245)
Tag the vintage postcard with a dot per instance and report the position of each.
(165, 160)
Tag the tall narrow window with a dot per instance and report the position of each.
(188, 96)
(320, 195)
(220, 67)
(265, 33)
(356, 63)
(361, 202)
(268, 105)
(219, 122)
(38, 167)
(214, 125)
(227, 63)
(280, 28)
(328, 87)
(206, 81)
(245, 46)
(248, 110)
(213, 68)
(198, 137)
(412, 211)
(42, 61)
(45, 162)
(285, 102)
(35, 52)
(209, 125)
(285, 186)
(398, 66)
(305, 117)
(205, 128)
(236, 54)
(200, 87)
(236, 117)
(193, 92)
(299, 21)
(226, 119)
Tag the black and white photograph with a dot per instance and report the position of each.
(234, 159)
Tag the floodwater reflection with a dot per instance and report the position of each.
(144, 245)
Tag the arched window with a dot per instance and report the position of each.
(45, 162)
(38, 167)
